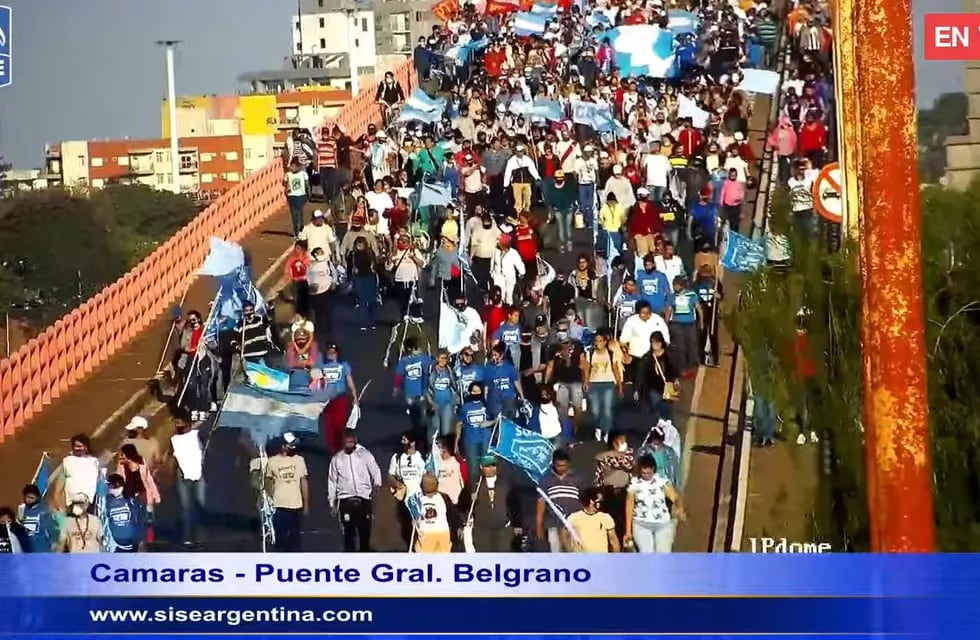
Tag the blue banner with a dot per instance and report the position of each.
(528, 450)
(6, 46)
(742, 255)
(403, 615)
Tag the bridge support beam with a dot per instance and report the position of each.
(874, 43)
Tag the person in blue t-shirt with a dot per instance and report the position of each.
(338, 382)
(38, 521)
(443, 396)
(503, 383)
(509, 334)
(127, 521)
(685, 319)
(701, 224)
(473, 431)
(654, 288)
(467, 371)
(411, 382)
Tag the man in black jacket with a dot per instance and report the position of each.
(13, 535)
(496, 514)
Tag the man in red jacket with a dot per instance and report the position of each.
(644, 223)
(688, 138)
(811, 143)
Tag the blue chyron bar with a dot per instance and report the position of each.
(711, 617)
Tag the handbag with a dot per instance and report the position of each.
(579, 220)
(670, 389)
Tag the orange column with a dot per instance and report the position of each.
(893, 320)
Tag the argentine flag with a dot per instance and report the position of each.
(681, 22)
(643, 50)
(529, 23)
(263, 377)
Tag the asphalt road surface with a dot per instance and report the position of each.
(232, 523)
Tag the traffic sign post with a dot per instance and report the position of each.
(828, 195)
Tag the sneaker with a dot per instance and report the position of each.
(813, 437)
(598, 435)
(801, 439)
(364, 328)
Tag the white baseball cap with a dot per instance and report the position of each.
(642, 191)
(137, 423)
(289, 439)
(318, 214)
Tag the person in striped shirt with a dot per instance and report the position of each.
(326, 152)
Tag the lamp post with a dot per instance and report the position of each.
(169, 46)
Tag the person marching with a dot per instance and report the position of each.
(338, 381)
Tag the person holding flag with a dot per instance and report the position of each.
(437, 519)
(495, 511)
(37, 519)
(126, 517)
(447, 468)
(473, 432)
(443, 396)
(411, 381)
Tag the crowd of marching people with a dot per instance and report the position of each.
(561, 186)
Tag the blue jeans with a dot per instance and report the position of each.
(418, 419)
(602, 248)
(366, 290)
(659, 407)
(653, 538)
(763, 421)
(564, 220)
(602, 399)
(503, 406)
(586, 202)
(476, 442)
(296, 204)
(442, 421)
(657, 193)
(190, 494)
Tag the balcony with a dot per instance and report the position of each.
(291, 122)
(140, 166)
(188, 167)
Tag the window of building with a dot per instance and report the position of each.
(123, 161)
(82, 161)
(96, 162)
(323, 23)
(207, 157)
(296, 25)
(207, 177)
(401, 41)
(233, 177)
(159, 156)
(398, 22)
(418, 16)
(161, 178)
(299, 48)
(188, 161)
(323, 43)
(170, 178)
(248, 154)
(365, 71)
(364, 25)
(320, 3)
(98, 183)
(231, 155)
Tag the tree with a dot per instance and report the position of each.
(60, 249)
(828, 286)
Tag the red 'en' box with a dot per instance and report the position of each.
(952, 36)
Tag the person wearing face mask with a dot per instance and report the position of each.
(13, 535)
(187, 450)
(496, 511)
(473, 430)
(503, 383)
(38, 522)
(561, 199)
(519, 174)
(411, 381)
(649, 519)
(286, 481)
(255, 333)
(353, 480)
(338, 383)
(126, 517)
(482, 235)
(507, 269)
(612, 475)
(81, 531)
(320, 279)
(566, 372)
(535, 350)
(81, 469)
(731, 197)
(191, 330)
(595, 530)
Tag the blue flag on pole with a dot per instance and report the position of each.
(413, 504)
(742, 255)
(42, 476)
(527, 450)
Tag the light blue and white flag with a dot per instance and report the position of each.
(223, 258)
(544, 8)
(528, 23)
(42, 475)
(687, 108)
(434, 195)
(680, 22)
(527, 450)
(422, 101)
(537, 108)
(267, 378)
(269, 414)
(759, 81)
(643, 50)
(413, 504)
(742, 255)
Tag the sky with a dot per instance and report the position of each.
(90, 69)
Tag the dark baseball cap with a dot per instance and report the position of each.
(541, 320)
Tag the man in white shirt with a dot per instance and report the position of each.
(657, 168)
(319, 234)
(474, 185)
(507, 269)
(586, 172)
(801, 197)
(406, 468)
(286, 480)
(635, 336)
(187, 450)
(668, 263)
(81, 470)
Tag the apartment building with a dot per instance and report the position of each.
(206, 163)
